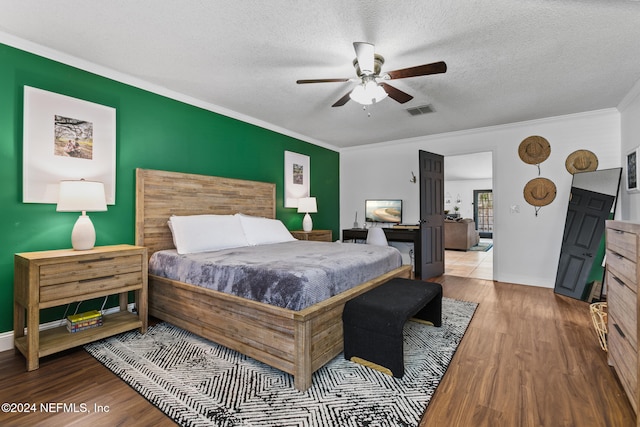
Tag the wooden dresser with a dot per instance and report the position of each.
(623, 240)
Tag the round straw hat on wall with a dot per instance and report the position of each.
(539, 192)
(581, 161)
(534, 150)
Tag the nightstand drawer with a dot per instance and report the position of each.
(90, 269)
(64, 293)
(315, 235)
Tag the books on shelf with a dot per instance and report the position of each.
(81, 321)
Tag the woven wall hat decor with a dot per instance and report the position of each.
(534, 150)
(539, 192)
(581, 161)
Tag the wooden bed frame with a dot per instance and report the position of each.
(296, 342)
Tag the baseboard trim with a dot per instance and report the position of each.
(6, 338)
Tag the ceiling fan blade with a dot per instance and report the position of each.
(365, 56)
(396, 94)
(340, 102)
(300, 82)
(420, 70)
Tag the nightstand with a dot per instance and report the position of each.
(316, 235)
(53, 278)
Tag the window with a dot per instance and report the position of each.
(483, 212)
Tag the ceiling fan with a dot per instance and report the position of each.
(372, 86)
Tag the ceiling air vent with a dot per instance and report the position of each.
(423, 109)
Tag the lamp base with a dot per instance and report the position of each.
(83, 236)
(307, 223)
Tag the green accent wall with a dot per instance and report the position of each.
(153, 132)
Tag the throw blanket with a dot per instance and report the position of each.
(291, 275)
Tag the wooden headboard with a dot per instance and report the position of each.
(160, 194)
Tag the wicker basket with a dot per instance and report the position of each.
(599, 318)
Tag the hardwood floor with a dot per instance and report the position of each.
(529, 358)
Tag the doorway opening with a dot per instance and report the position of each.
(469, 193)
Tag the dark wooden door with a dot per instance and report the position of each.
(431, 214)
(583, 232)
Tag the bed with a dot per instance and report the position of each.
(297, 342)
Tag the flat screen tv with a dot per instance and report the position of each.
(387, 211)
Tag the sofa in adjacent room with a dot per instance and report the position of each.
(460, 234)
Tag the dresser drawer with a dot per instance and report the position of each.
(622, 242)
(623, 267)
(624, 302)
(624, 359)
(88, 269)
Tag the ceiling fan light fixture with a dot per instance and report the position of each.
(367, 93)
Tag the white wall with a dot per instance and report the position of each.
(630, 133)
(526, 247)
(464, 188)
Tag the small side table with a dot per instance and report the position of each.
(53, 278)
(315, 235)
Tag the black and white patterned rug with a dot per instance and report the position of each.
(200, 383)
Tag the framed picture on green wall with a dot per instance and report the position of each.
(296, 178)
(66, 139)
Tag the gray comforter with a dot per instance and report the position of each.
(292, 275)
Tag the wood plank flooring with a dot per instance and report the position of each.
(529, 358)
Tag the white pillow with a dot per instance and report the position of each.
(262, 231)
(203, 233)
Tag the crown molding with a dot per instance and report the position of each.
(73, 61)
(633, 94)
(475, 131)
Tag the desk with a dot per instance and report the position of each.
(393, 235)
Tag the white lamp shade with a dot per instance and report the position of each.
(81, 196)
(307, 205)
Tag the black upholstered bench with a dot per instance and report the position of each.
(373, 321)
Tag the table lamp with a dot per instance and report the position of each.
(82, 196)
(307, 205)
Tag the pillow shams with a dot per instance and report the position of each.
(262, 231)
(202, 233)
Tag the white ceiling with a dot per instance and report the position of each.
(468, 167)
(508, 61)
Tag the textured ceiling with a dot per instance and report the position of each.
(508, 61)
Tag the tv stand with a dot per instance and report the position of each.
(393, 235)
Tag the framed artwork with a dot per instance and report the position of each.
(66, 138)
(296, 178)
(632, 170)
